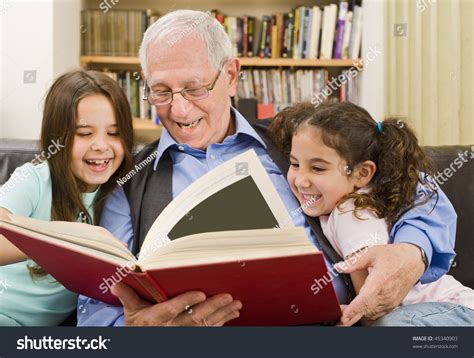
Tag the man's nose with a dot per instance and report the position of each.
(180, 106)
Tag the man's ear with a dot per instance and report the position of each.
(363, 173)
(232, 75)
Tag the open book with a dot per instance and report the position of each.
(228, 232)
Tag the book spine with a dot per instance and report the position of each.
(268, 39)
(331, 29)
(301, 31)
(315, 32)
(153, 288)
(291, 25)
(295, 34)
(309, 33)
(245, 26)
(261, 51)
(357, 33)
(240, 36)
(274, 46)
(340, 29)
(347, 36)
(251, 32)
(284, 37)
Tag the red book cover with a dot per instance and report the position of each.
(274, 291)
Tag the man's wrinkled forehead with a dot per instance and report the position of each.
(185, 62)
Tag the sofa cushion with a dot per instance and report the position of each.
(455, 167)
(13, 153)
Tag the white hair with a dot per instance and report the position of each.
(175, 25)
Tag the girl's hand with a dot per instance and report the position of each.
(9, 253)
(4, 214)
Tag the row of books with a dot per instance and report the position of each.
(276, 89)
(330, 32)
(114, 33)
(272, 89)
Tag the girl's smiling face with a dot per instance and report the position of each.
(317, 174)
(97, 150)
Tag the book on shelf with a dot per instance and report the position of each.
(114, 33)
(330, 32)
(347, 36)
(356, 33)
(228, 232)
(341, 22)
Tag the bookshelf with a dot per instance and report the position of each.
(311, 69)
(103, 61)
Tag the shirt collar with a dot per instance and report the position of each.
(242, 127)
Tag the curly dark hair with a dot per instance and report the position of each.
(352, 132)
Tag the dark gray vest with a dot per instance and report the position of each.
(149, 192)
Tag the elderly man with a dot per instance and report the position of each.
(191, 75)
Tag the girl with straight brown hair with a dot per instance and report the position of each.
(86, 145)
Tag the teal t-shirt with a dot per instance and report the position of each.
(24, 301)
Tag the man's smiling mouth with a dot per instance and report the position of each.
(190, 125)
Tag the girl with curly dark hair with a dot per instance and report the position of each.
(359, 176)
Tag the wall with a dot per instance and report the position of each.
(39, 40)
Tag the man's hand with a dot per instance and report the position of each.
(214, 311)
(393, 270)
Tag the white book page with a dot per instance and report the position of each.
(239, 167)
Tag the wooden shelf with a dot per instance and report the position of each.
(145, 131)
(289, 62)
(106, 60)
(245, 61)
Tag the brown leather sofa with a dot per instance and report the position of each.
(459, 187)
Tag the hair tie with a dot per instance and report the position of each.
(379, 127)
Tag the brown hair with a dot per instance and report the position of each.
(59, 123)
(353, 133)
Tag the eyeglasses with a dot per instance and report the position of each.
(190, 94)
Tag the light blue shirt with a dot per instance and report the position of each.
(433, 231)
(40, 301)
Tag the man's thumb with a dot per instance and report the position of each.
(127, 296)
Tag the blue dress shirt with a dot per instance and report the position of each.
(434, 231)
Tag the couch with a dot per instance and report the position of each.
(459, 187)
